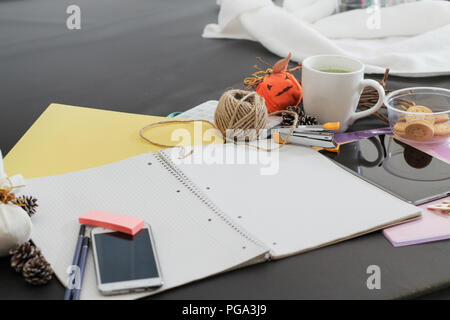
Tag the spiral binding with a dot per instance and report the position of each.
(168, 164)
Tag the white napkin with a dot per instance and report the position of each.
(311, 10)
(412, 39)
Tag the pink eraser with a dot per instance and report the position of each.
(113, 221)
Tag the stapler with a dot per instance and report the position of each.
(321, 136)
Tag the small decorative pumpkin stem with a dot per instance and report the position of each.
(281, 65)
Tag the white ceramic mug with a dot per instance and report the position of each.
(332, 96)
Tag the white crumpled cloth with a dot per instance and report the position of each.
(413, 39)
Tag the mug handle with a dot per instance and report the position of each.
(374, 84)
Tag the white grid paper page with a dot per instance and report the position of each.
(308, 203)
(204, 111)
(189, 246)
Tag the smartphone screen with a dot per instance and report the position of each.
(123, 257)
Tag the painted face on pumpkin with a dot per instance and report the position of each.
(280, 90)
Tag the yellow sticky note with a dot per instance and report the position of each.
(68, 138)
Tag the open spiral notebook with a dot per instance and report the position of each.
(221, 208)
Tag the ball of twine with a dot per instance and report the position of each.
(243, 112)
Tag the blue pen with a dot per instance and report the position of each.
(82, 265)
(76, 258)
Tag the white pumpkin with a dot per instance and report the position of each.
(15, 224)
(15, 227)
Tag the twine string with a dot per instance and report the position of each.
(256, 78)
(142, 134)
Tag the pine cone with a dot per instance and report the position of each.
(303, 119)
(37, 271)
(307, 121)
(287, 118)
(29, 204)
(21, 254)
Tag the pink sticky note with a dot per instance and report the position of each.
(432, 226)
(113, 221)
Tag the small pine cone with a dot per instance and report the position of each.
(303, 119)
(307, 121)
(21, 254)
(29, 204)
(287, 118)
(37, 271)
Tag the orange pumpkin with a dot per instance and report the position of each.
(280, 90)
(278, 86)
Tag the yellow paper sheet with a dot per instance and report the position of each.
(67, 138)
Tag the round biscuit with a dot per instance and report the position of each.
(439, 118)
(419, 130)
(421, 109)
(442, 129)
(399, 128)
(418, 116)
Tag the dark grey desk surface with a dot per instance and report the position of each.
(148, 57)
